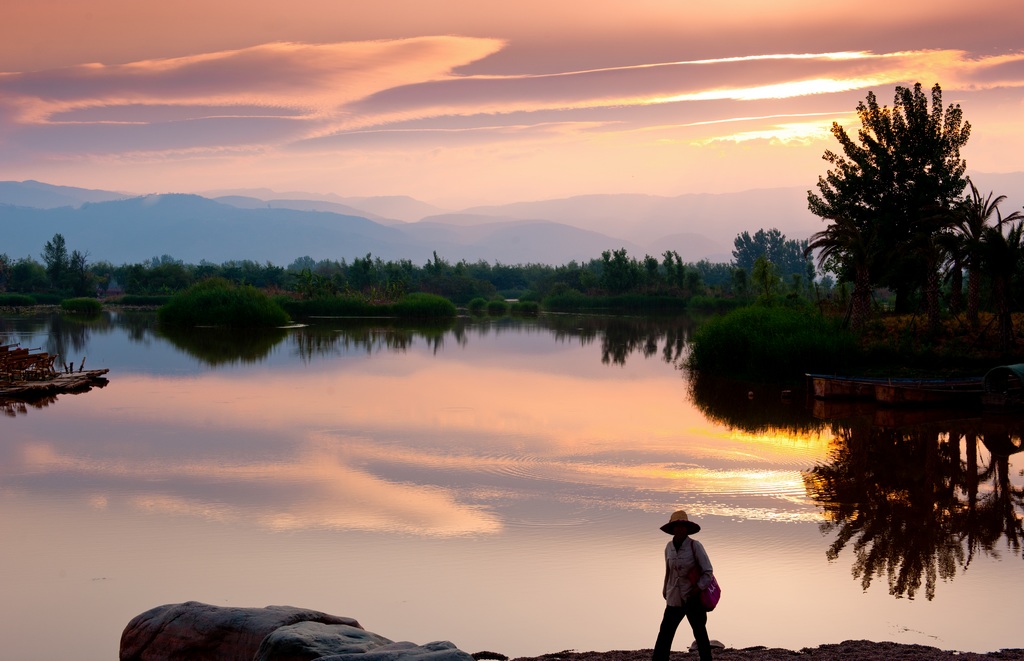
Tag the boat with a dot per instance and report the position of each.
(1004, 388)
(959, 392)
(827, 386)
(898, 391)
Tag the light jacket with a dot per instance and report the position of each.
(677, 568)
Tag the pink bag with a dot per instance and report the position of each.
(710, 595)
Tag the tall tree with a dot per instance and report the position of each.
(851, 246)
(58, 263)
(1002, 258)
(786, 254)
(902, 171)
(973, 215)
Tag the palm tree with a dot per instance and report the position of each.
(1002, 257)
(852, 246)
(972, 219)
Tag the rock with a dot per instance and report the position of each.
(194, 631)
(715, 645)
(311, 640)
(441, 650)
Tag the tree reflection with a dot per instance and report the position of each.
(225, 346)
(755, 408)
(911, 506)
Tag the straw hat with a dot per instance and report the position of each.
(679, 516)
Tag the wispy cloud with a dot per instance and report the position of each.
(294, 106)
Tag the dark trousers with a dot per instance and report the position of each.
(693, 611)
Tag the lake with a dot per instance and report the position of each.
(498, 483)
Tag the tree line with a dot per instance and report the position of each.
(615, 272)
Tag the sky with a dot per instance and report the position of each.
(465, 102)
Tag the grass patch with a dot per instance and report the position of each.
(772, 344)
(81, 306)
(477, 306)
(217, 302)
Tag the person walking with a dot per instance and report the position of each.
(682, 596)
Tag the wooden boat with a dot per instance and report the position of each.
(825, 386)
(931, 393)
(1004, 388)
(892, 391)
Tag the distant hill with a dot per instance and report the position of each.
(46, 196)
(193, 228)
(397, 207)
(243, 202)
(265, 225)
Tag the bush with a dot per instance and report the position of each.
(771, 343)
(216, 302)
(16, 300)
(81, 305)
(477, 305)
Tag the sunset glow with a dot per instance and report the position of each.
(467, 103)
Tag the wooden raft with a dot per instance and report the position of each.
(29, 373)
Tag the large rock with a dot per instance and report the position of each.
(311, 640)
(194, 631)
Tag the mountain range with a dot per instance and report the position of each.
(264, 225)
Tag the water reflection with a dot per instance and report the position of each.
(752, 407)
(224, 346)
(14, 407)
(916, 503)
(913, 494)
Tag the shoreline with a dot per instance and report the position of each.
(849, 650)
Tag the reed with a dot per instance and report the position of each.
(217, 302)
